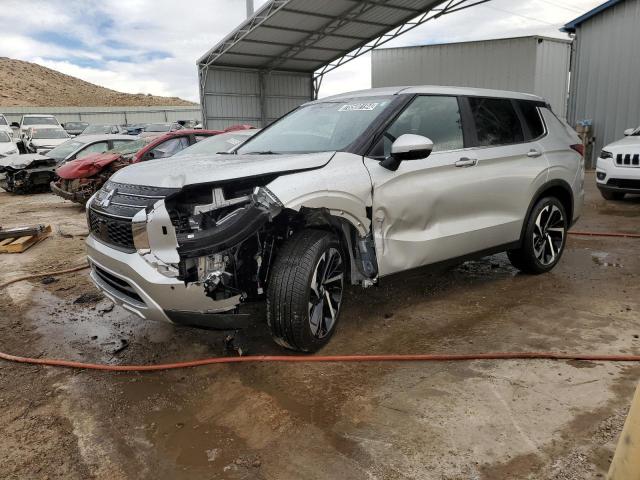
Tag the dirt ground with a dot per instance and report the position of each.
(475, 420)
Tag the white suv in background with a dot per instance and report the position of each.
(36, 120)
(350, 188)
(618, 167)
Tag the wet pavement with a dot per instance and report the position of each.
(474, 420)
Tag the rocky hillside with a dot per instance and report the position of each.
(29, 84)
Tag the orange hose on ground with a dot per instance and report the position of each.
(605, 234)
(323, 359)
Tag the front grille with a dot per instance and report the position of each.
(624, 183)
(628, 160)
(119, 285)
(110, 221)
(113, 231)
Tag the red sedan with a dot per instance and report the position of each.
(79, 179)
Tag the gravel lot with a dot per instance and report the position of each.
(475, 420)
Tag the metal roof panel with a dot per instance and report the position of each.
(309, 33)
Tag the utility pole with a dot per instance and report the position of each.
(249, 8)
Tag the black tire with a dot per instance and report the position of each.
(296, 313)
(543, 245)
(609, 195)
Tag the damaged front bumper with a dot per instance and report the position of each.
(131, 282)
(78, 197)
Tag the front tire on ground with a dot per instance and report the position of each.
(544, 238)
(305, 290)
(609, 195)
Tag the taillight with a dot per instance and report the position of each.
(578, 147)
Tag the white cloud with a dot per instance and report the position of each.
(120, 41)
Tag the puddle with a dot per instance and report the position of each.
(82, 332)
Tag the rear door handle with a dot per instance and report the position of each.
(466, 162)
(533, 153)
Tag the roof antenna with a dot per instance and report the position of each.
(249, 8)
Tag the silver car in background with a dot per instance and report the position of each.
(350, 188)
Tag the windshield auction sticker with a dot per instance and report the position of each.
(358, 107)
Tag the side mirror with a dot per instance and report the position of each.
(407, 147)
(629, 131)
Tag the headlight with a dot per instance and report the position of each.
(139, 232)
(265, 197)
(605, 154)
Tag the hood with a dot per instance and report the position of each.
(47, 142)
(176, 172)
(7, 147)
(625, 145)
(87, 166)
(17, 161)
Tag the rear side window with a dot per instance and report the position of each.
(434, 117)
(532, 118)
(93, 148)
(496, 121)
(170, 147)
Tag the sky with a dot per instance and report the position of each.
(151, 46)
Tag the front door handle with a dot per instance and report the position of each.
(533, 153)
(466, 162)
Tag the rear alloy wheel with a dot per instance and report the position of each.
(306, 290)
(544, 238)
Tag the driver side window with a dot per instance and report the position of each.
(434, 117)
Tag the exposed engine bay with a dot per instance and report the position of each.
(33, 176)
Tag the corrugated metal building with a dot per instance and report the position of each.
(532, 64)
(114, 115)
(277, 58)
(605, 80)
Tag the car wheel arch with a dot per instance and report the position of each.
(557, 188)
(343, 227)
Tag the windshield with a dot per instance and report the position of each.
(217, 144)
(158, 127)
(98, 129)
(3, 121)
(39, 121)
(319, 127)
(131, 147)
(75, 125)
(41, 133)
(4, 137)
(65, 149)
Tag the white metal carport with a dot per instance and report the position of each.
(277, 58)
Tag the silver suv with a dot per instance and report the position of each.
(350, 188)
